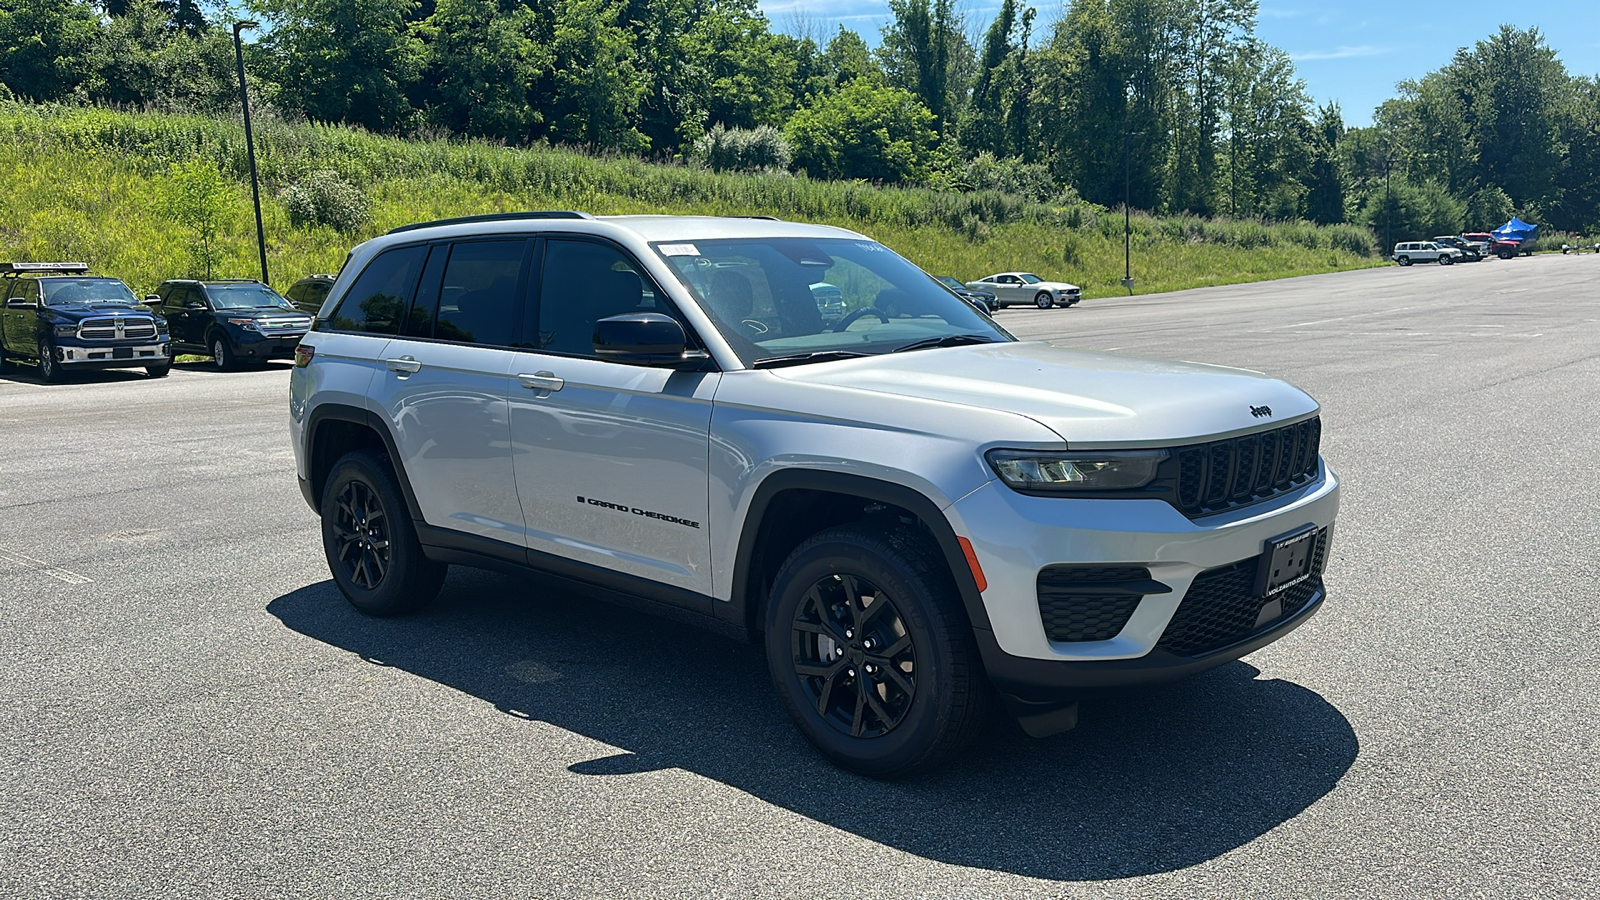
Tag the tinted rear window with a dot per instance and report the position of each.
(377, 301)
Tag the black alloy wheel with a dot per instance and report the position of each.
(870, 650)
(361, 528)
(1043, 300)
(50, 367)
(856, 662)
(370, 541)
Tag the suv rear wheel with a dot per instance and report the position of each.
(871, 653)
(1403, 260)
(370, 542)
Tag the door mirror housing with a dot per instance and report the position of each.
(21, 304)
(152, 299)
(645, 338)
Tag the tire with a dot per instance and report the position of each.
(820, 642)
(370, 542)
(160, 371)
(5, 362)
(222, 352)
(1403, 260)
(1043, 300)
(49, 369)
(1446, 259)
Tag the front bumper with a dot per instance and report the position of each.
(1015, 537)
(90, 356)
(254, 345)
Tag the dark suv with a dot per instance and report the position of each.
(60, 318)
(308, 293)
(230, 321)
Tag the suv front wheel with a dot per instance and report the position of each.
(370, 542)
(871, 653)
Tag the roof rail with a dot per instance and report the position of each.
(51, 267)
(496, 217)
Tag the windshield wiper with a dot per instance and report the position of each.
(772, 362)
(947, 340)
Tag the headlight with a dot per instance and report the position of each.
(1088, 470)
(161, 327)
(66, 330)
(246, 324)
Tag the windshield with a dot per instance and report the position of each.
(1030, 279)
(246, 296)
(67, 291)
(786, 298)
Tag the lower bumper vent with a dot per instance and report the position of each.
(1091, 603)
(1221, 607)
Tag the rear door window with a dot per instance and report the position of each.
(480, 299)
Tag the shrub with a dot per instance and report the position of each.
(200, 199)
(759, 149)
(1010, 175)
(323, 198)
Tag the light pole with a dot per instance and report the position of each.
(1389, 207)
(250, 141)
(1127, 220)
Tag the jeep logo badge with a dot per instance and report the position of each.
(1259, 411)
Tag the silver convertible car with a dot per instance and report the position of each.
(1020, 288)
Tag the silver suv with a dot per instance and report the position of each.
(1424, 251)
(917, 514)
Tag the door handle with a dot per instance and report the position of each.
(405, 365)
(542, 381)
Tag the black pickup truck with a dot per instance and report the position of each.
(58, 317)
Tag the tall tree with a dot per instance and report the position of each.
(484, 61)
(345, 60)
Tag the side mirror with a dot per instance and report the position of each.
(194, 304)
(21, 304)
(643, 338)
(152, 300)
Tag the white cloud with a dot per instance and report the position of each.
(1343, 52)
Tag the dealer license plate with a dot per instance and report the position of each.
(122, 353)
(1286, 562)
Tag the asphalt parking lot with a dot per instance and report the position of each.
(190, 709)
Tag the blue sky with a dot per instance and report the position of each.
(1352, 51)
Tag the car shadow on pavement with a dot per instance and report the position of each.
(1152, 780)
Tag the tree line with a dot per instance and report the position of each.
(1175, 104)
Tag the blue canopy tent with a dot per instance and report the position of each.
(1516, 230)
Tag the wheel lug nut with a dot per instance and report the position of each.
(867, 643)
(849, 633)
(851, 672)
(838, 651)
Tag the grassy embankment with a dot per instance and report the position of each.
(87, 184)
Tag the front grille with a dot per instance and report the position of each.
(1223, 475)
(1074, 604)
(1221, 606)
(273, 325)
(117, 328)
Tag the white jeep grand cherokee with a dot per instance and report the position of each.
(916, 513)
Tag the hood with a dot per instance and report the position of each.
(101, 308)
(1056, 286)
(1089, 399)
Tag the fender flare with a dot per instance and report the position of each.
(909, 499)
(340, 412)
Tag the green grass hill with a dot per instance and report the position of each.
(100, 186)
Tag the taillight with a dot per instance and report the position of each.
(302, 356)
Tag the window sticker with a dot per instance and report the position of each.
(678, 249)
